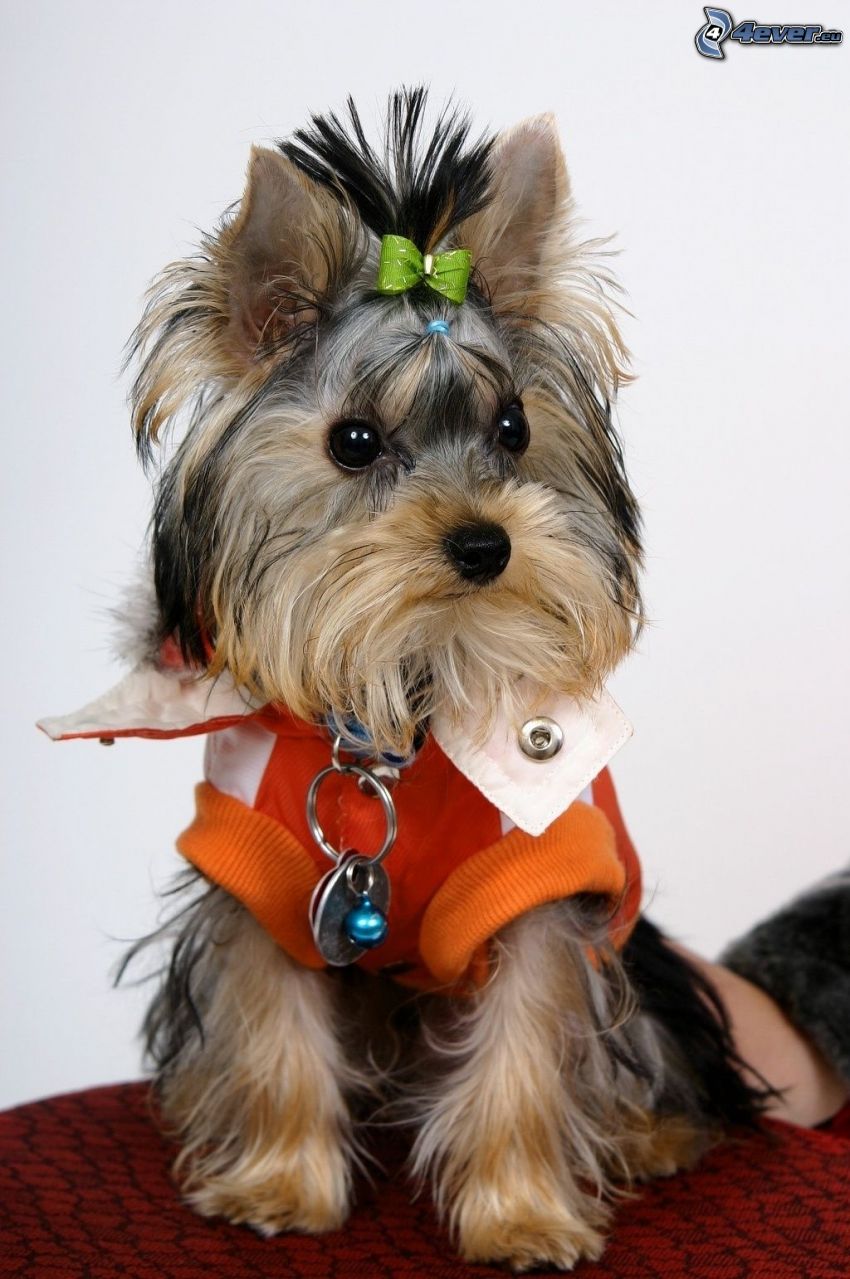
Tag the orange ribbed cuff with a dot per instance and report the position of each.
(264, 866)
(576, 854)
(260, 863)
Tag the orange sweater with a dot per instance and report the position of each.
(456, 878)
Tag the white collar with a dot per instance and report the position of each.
(531, 791)
(153, 702)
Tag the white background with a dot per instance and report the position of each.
(126, 126)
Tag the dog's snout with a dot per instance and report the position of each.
(479, 552)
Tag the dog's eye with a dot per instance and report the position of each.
(512, 428)
(354, 445)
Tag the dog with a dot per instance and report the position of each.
(395, 557)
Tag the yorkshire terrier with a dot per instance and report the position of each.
(395, 557)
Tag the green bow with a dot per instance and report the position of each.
(402, 267)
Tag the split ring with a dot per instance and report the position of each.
(373, 783)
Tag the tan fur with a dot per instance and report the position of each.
(497, 1134)
(259, 1104)
(251, 283)
(659, 1146)
(527, 1133)
(525, 245)
(338, 620)
(356, 601)
(521, 1121)
(323, 587)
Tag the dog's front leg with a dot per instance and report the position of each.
(496, 1130)
(258, 1098)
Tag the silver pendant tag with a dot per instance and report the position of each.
(338, 893)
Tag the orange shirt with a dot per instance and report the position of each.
(456, 878)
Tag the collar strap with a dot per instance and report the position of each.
(355, 739)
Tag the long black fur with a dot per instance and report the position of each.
(678, 998)
(416, 189)
(669, 990)
(176, 1013)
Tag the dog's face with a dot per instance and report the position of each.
(368, 515)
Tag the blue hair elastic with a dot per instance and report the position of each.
(437, 326)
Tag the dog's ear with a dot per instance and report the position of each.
(271, 254)
(516, 238)
(217, 317)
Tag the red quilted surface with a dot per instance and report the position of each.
(85, 1194)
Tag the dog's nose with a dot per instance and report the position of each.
(479, 552)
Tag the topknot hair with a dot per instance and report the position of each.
(420, 187)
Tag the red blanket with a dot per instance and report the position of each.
(85, 1194)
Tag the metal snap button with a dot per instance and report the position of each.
(540, 738)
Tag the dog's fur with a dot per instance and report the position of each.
(560, 1079)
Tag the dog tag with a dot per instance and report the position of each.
(355, 885)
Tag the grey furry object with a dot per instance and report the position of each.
(801, 957)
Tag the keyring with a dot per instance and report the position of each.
(376, 786)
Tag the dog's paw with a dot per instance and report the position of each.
(302, 1197)
(524, 1242)
(671, 1144)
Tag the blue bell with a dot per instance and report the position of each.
(365, 925)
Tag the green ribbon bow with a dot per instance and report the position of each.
(402, 267)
